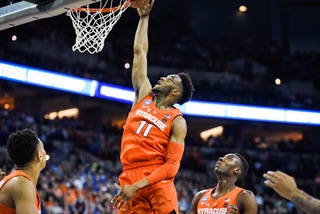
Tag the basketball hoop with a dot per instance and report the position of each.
(92, 26)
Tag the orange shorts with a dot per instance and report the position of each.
(159, 198)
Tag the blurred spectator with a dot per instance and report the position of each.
(80, 171)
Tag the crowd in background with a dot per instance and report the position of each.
(256, 63)
(84, 165)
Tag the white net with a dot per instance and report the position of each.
(92, 26)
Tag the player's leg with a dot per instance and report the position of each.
(163, 197)
(139, 204)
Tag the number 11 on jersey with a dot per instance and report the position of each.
(146, 132)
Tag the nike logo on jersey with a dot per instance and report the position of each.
(165, 181)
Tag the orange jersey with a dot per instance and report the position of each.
(8, 210)
(146, 133)
(209, 205)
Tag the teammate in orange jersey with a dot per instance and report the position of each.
(226, 197)
(18, 192)
(153, 139)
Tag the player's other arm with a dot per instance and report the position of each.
(23, 194)
(196, 200)
(285, 185)
(247, 203)
(173, 157)
(174, 152)
(140, 81)
(305, 202)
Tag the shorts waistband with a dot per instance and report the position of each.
(142, 164)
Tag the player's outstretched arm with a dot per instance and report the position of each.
(140, 81)
(286, 186)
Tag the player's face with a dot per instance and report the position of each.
(167, 84)
(227, 164)
(45, 157)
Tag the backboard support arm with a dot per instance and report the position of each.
(23, 12)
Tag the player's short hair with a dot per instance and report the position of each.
(22, 146)
(187, 88)
(244, 166)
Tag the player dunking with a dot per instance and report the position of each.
(153, 138)
(18, 192)
(226, 197)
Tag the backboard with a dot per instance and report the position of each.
(18, 13)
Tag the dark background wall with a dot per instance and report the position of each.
(293, 24)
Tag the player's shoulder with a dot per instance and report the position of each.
(201, 193)
(145, 99)
(247, 192)
(179, 121)
(148, 96)
(245, 195)
(198, 196)
(19, 184)
(141, 100)
(179, 126)
(196, 200)
(246, 202)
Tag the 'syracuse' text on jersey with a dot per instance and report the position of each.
(147, 132)
(15, 173)
(208, 205)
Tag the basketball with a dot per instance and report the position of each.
(138, 3)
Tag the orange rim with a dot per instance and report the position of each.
(104, 10)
